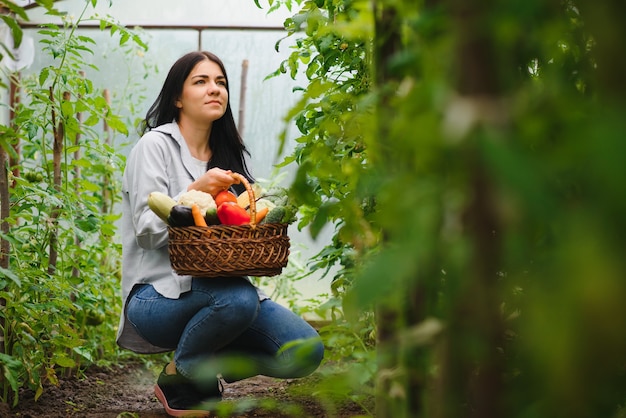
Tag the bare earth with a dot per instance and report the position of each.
(127, 392)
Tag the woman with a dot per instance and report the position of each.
(190, 141)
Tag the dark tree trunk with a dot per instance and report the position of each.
(406, 307)
(473, 385)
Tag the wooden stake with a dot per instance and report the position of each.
(242, 96)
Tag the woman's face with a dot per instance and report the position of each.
(204, 97)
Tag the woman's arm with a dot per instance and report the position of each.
(146, 172)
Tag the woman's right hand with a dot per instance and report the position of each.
(213, 181)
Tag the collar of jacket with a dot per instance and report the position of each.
(173, 130)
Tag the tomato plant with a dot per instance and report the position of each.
(61, 272)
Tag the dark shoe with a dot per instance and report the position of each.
(182, 398)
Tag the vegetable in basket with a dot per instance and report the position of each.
(275, 215)
(161, 204)
(225, 196)
(180, 215)
(230, 213)
(269, 209)
(198, 217)
(204, 200)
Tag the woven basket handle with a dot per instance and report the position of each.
(246, 184)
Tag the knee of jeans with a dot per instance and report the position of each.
(317, 355)
(246, 303)
(306, 357)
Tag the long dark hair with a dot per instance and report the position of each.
(227, 147)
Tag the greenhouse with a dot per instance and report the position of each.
(312, 208)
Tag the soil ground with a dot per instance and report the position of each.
(126, 391)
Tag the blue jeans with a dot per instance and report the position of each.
(222, 323)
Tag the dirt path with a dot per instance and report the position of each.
(127, 392)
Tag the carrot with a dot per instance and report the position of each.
(260, 214)
(198, 219)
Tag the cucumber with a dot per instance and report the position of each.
(274, 215)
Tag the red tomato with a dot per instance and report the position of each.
(225, 196)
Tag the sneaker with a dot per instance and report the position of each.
(182, 398)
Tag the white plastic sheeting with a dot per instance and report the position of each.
(235, 30)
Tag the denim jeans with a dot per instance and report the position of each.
(222, 323)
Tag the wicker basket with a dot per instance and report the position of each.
(227, 250)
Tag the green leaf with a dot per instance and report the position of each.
(63, 361)
(117, 124)
(322, 217)
(86, 39)
(83, 352)
(43, 75)
(140, 42)
(11, 368)
(92, 120)
(67, 107)
(124, 38)
(11, 276)
(88, 224)
(15, 9)
(16, 30)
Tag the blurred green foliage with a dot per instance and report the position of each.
(470, 156)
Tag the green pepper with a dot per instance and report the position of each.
(230, 213)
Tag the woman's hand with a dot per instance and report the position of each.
(213, 181)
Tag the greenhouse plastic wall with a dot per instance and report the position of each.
(235, 30)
